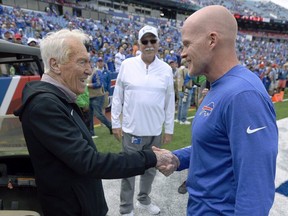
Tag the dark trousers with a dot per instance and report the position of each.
(96, 107)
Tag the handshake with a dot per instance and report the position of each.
(167, 162)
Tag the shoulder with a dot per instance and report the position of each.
(240, 84)
(132, 60)
(47, 102)
(165, 68)
(162, 64)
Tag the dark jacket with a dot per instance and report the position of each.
(68, 168)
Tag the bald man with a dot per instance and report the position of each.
(232, 160)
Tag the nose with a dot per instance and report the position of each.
(183, 53)
(88, 70)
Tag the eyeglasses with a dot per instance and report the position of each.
(145, 42)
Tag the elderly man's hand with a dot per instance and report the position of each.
(167, 162)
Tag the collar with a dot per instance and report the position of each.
(151, 64)
(71, 95)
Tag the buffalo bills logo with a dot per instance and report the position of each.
(207, 109)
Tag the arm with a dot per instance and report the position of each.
(117, 105)
(169, 108)
(253, 152)
(183, 155)
(59, 138)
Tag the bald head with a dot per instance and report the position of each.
(209, 37)
(214, 18)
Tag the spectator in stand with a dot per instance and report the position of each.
(135, 48)
(8, 35)
(129, 53)
(93, 58)
(110, 63)
(119, 58)
(144, 95)
(23, 36)
(234, 145)
(18, 38)
(32, 42)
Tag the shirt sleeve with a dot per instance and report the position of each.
(117, 100)
(59, 138)
(169, 106)
(253, 136)
(184, 157)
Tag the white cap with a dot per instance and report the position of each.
(147, 29)
(31, 40)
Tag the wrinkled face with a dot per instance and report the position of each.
(149, 46)
(75, 71)
(195, 50)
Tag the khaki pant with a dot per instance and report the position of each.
(146, 180)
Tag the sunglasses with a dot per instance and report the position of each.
(145, 42)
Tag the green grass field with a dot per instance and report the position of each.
(182, 133)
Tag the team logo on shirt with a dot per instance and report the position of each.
(207, 109)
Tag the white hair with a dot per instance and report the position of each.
(55, 45)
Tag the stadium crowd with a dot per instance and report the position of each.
(114, 40)
(264, 56)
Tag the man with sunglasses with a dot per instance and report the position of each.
(144, 94)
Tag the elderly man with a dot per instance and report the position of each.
(144, 94)
(68, 167)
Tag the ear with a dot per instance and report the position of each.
(213, 39)
(54, 66)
